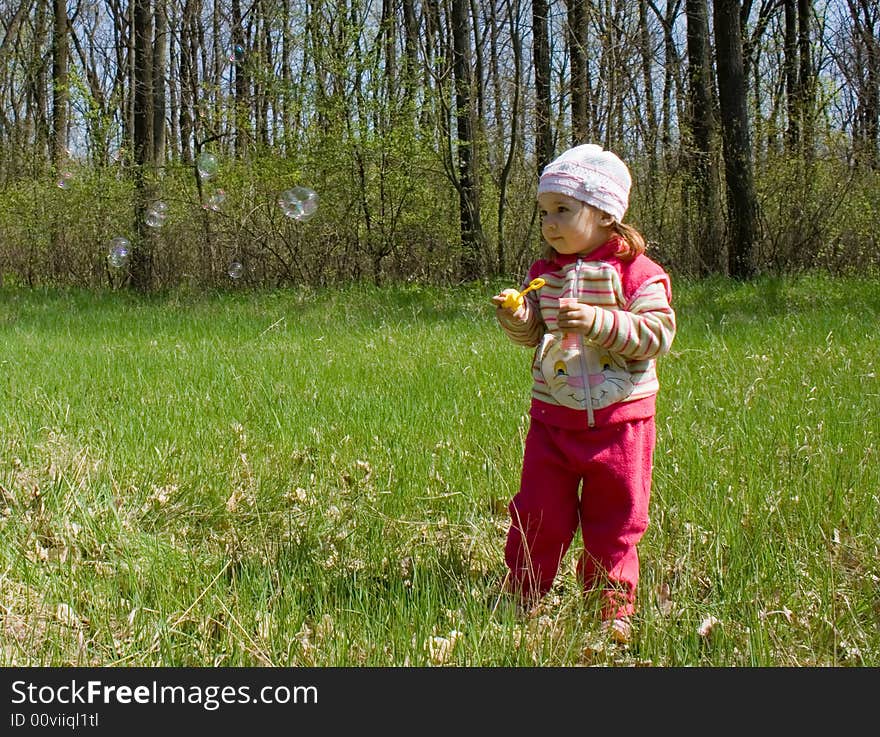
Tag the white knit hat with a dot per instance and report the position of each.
(590, 175)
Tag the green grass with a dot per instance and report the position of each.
(320, 478)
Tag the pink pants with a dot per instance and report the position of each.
(614, 463)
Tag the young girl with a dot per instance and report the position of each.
(599, 322)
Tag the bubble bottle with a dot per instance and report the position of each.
(569, 340)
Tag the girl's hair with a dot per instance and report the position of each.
(632, 243)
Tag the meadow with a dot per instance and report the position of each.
(319, 477)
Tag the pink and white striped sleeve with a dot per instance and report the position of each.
(643, 331)
(524, 327)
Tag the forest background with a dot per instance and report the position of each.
(751, 129)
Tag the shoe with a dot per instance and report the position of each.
(619, 630)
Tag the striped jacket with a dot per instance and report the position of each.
(609, 374)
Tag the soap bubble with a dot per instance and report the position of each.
(215, 200)
(235, 269)
(237, 53)
(299, 203)
(120, 249)
(207, 165)
(64, 179)
(156, 214)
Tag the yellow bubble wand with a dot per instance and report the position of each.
(513, 300)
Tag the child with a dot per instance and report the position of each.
(599, 322)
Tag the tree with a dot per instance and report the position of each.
(60, 92)
(242, 84)
(141, 268)
(671, 81)
(793, 130)
(468, 194)
(578, 40)
(650, 135)
(806, 87)
(541, 63)
(700, 155)
(160, 55)
(866, 26)
(513, 7)
(742, 205)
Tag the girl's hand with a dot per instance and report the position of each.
(498, 301)
(576, 318)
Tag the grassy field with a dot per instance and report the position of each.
(320, 478)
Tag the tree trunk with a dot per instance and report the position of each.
(866, 81)
(141, 267)
(411, 50)
(242, 85)
(516, 43)
(37, 91)
(187, 60)
(872, 96)
(742, 206)
(793, 131)
(469, 206)
(670, 76)
(651, 127)
(60, 91)
(261, 90)
(805, 78)
(160, 58)
(541, 62)
(172, 145)
(478, 66)
(703, 180)
(578, 38)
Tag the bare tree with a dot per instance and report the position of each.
(60, 91)
(742, 206)
(672, 92)
(806, 86)
(646, 50)
(160, 57)
(469, 204)
(37, 93)
(513, 11)
(141, 269)
(541, 65)
(793, 130)
(188, 78)
(578, 28)
(242, 83)
(703, 185)
(865, 17)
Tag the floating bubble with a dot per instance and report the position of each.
(64, 179)
(120, 249)
(156, 214)
(215, 200)
(299, 203)
(235, 269)
(207, 165)
(237, 54)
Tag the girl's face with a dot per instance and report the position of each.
(571, 226)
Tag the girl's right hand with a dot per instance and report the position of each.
(499, 299)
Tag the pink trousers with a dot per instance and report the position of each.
(614, 463)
